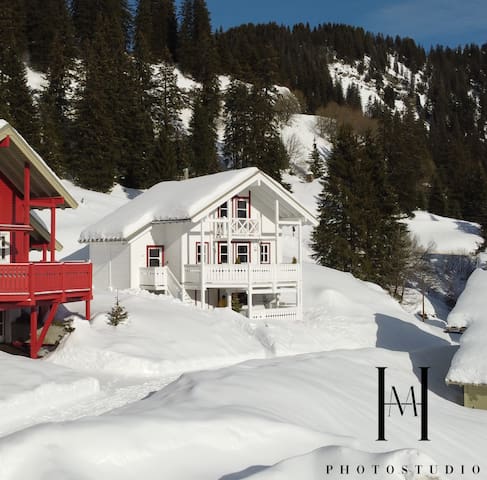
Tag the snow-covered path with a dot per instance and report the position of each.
(114, 392)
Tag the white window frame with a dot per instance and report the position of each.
(237, 255)
(265, 252)
(221, 254)
(198, 252)
(223, 208)
(240, 209)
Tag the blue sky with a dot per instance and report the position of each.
(429, 22)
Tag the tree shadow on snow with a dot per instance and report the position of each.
(467, 227)
(424, 349)
(244, 473)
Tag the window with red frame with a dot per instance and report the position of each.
(155, 256)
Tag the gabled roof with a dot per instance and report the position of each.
(43, 181)
(188, 200)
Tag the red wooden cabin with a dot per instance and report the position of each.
(33, 290)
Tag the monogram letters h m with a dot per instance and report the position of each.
(402, 406)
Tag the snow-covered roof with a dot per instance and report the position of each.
(469, 365)
(186, 200)
(2, 122)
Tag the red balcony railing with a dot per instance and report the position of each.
(28, 281)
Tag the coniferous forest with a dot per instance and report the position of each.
(110, 111)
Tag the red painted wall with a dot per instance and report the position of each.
(12, 213)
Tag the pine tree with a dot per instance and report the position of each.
(118, 314)
(202, 129)
(95, 144)
(315, 161)
(197, 52)
(358, 231)
(13, 26)
(155, 20)
(85, 14)
(19, 108)
(167, 165)
(251, 130)
(48, 26)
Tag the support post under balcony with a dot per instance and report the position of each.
(26, 211)
(52, 245)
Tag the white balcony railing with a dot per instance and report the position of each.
(242, 274)
(153, 278)
(285, 313)
(239, 228)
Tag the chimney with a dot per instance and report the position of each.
(185, 173)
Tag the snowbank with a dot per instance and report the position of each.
(469, 365)
(327, 463)
(30, 387)
(229, 423)
(471, 306)
(445, 235)
(162, 337)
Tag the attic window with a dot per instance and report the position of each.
(223, 210)
(242, 208)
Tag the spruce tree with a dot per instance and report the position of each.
(202, 128)
(155, 20)
(167, 165)
(358, 231)
(315, 161)
(197, 53)
(95, 144)
(19, 107)
(48, 26)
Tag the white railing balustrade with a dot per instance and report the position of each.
(239, 228)
(153, 278)
(285, 313)
(242, 274)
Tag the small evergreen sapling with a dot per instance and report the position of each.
(117, 314)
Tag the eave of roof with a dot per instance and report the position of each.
(42, 177)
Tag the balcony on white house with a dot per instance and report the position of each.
(236, 228)
(153, 278)
(237, 275)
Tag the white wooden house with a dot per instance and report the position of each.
(155, 242)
